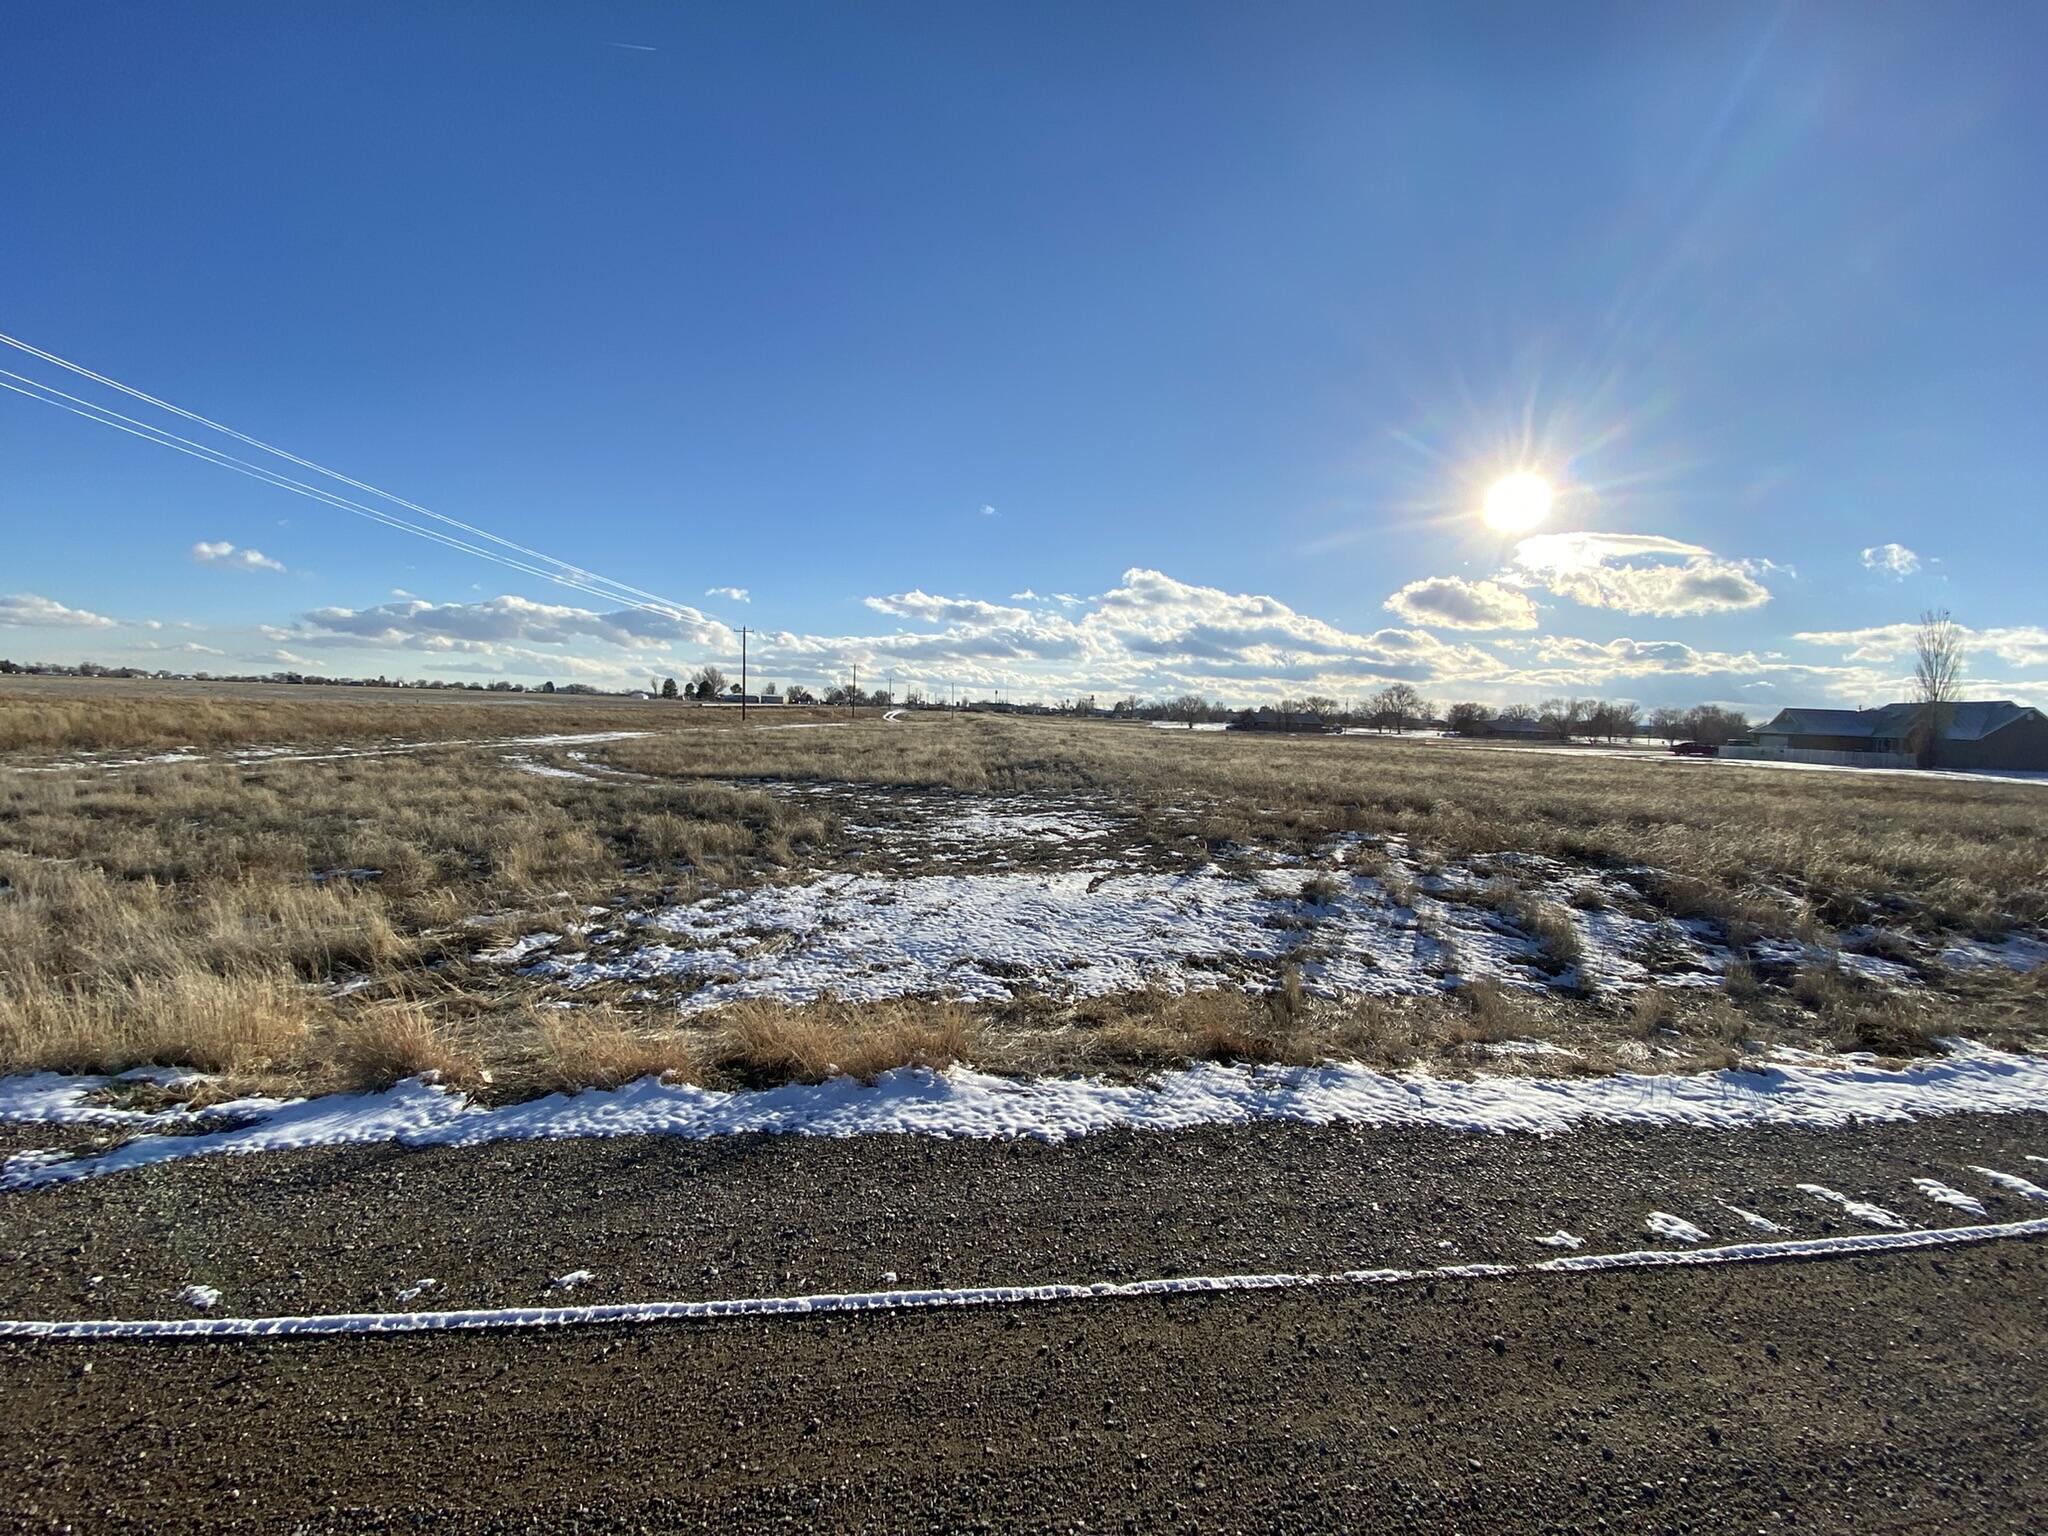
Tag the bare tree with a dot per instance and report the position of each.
(1715, 726)
(1565, 718)
(1395, 705)
(1190, 707)
(1467, 719)
(709, 682)
(1937, 682)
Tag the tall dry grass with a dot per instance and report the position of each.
(125, 714)
(178, 915)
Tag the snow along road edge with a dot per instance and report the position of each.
(362, 1323)
(965, 1103)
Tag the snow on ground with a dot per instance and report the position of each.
(202, 1298)
(1104, 928)
(1561, 1239)
(1942, 1194)
(1674, 1229)
(1862, 1210)
(2026, 1188)
(1761, 1223)
(2016, 952)
(546, 770)
(963, 1102)
(980, 897)
(264, 756)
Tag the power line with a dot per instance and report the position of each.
(106, 416)
(576, 576)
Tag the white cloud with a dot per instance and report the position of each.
(221, 552)
(1451, 602)
(927, 609)
(402, 593)
(1638, 573)
(27, 610)
(987, 510)
(505, 620)
(737, 594)
(1893, 560)
(2021, 645)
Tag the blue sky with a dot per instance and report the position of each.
(1091, 348)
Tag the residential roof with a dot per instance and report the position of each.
(1970, 720)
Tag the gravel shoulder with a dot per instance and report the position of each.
(1893, 1393)
(349, 1229)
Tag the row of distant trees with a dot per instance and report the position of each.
(1399, 707)
(1604, 720)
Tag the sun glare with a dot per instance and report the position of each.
(1518, 502)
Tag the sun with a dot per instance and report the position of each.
(1517, 503)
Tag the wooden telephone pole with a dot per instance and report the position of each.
(743, 674)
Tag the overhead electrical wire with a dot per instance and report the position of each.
(553, 568)
(148, 432)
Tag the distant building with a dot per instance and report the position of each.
(1267, 718)
(1981, 734)
(1520, 730)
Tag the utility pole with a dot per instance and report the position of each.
(853, 693)
(743, 674)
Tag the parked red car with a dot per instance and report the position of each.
(1695, 749)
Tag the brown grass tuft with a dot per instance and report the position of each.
(761, 1044)
(240, 1024)
(394, 1041)
(599, 1048)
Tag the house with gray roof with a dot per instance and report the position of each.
(1976, 734)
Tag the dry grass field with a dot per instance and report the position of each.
(356, 914)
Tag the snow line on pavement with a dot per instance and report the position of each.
(360, 1323)
(968, 1104)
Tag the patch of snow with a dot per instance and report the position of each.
(1761, 1223)
(519, 949)
(203, 1298)
(1675, 1229)
(417, 1289)
(1862, 1210)
(2012, 1182)
(1942, 1194)
(571, 1280)
(547, 770)
(1561, 1239)
(964, 1102)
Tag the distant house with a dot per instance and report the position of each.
(1267, 718)
(1520, 730)
(1982, 733)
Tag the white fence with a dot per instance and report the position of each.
(1827, 759)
